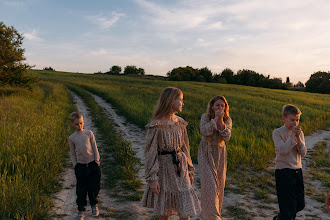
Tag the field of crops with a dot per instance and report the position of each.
(34, 127)
(255, 112)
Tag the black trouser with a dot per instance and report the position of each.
(290, 192)
(88, 181)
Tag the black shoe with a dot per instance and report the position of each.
(275, 217)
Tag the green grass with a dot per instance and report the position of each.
(255, 112)
(33, 144)
(320, 163)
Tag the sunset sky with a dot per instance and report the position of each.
(280, 38)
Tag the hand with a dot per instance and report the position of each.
(191, 179)
(296, 131)
(219, 115)
(154, 186)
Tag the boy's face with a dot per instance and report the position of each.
(291, 120)
(78, 124)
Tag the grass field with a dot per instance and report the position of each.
(33, 144)
(255, 112)
(34, 128)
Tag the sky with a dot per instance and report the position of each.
(280, 38)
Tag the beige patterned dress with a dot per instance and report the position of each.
(212, 161)
(176, 196)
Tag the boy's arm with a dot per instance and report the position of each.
(73, 152)
(95, 150)
(281, 146)
(302, 150)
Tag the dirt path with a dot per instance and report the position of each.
(136, 136)
(65, 202)
(65, 206)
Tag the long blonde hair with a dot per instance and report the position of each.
(165, 102)
(210, 111)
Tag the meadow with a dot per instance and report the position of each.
(255, 112)
(33, 144)
(34, 127)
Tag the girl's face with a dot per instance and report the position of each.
(178, 104)
(219, 105)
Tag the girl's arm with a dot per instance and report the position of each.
(186, 150)
(207, 126)
(226, 132)
(151, 165)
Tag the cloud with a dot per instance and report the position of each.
(105, 22)
(99, 52)
(32, 36)
(15, 4)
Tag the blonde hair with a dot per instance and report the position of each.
(165, 102)
(290, 109)
(75, 115)
(210, 111)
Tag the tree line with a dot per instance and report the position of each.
(128, 70)
(319, 82)
(13, 70)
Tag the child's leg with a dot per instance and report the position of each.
(94, 180)
(285, 187)
(300, 192)
(81, 187)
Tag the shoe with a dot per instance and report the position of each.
(275, 217)
(81, 215)
(95, 211)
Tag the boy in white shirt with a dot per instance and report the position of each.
(86, 160)
(290, 146)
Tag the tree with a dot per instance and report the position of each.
(114, 70)
(228, 75)
(204, 75)
(288, 83)
(133, 70)
(49, 68)
(182, 74)
(299, 85)
(12, 69)
(319, 82)
(141, 71)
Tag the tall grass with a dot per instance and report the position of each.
(255, 112)
(33, 145)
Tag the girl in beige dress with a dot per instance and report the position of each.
(215, 128)
(168, 167)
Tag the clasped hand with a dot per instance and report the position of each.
(296, 131)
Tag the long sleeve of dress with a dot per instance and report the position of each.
(72, 152)
(207, 126)
(226, 133)
(95, 150)
(186, 150)
(151, 165)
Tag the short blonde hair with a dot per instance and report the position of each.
(210, 111)
(290, 109)
(165, 102)
(75, 115)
